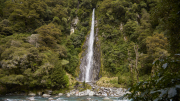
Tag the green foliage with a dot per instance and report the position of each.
(49, 35)
(24, 65)
(25, 14)
(113, 11)
(163, 85)
(59, 77)
(168, 21)
(119, 80)
(114, 81)
(113, 55)
(5, 28)
(41, 60)
(129, 30)
(84, 84)
(133, 18)
(157, 45)
(78, 37)
(56, 20)
(2, 4)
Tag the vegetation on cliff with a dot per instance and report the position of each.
(139, 43)
(36, 48)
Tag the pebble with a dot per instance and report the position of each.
(106, 98)
(50, 99)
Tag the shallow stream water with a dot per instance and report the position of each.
(62, 98)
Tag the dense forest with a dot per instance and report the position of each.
(139, 42)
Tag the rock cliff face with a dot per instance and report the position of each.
(74, 25)
(96, 58)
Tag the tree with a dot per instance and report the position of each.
(2, 4)
(136, 48)
(163, 85)
(50, 35)
(169, 21)
(59, 77)
(157, 46)
(25, 14)
(129, 30)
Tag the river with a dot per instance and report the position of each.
(62, 98)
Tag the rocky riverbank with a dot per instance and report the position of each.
(99, 91)
(95, 90)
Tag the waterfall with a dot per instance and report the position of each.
(91, 55)
(90, 51)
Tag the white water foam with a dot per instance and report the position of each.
(90, 50)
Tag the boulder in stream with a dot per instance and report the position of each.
(60, 94)
(91, 93)
(46, 95)
(31, 99)
(106, 99)
(68, 95)
(50, 99)
(31, 94)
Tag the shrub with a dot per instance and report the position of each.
(56, 20)
(59, 77)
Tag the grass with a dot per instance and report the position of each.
(72, 80)
(107, 82)
(124, 81)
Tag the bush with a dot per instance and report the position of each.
(59, 77)
(114, 81)
(7, 31)
(56, 20)
(119, 80)
(84, 85)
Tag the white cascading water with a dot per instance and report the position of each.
(90, 50)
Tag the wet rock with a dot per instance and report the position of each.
(48, 92)
(60, 94)
(68, 95)
(31, 99)
(96, 59)
(97, 94)
(88, 99)
(104, 94)
(91, 93)
(112, 95)
(46, 95)
(81, 94)
(50, 99)
(77, 93)
(31, 94)
(72, 92)
(87, 92)
(59, 99)
(106, 98)
(39, 93)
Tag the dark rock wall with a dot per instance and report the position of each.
(96, 58)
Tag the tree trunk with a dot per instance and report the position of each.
(131, 74)
(131, 68)
(137, 56)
